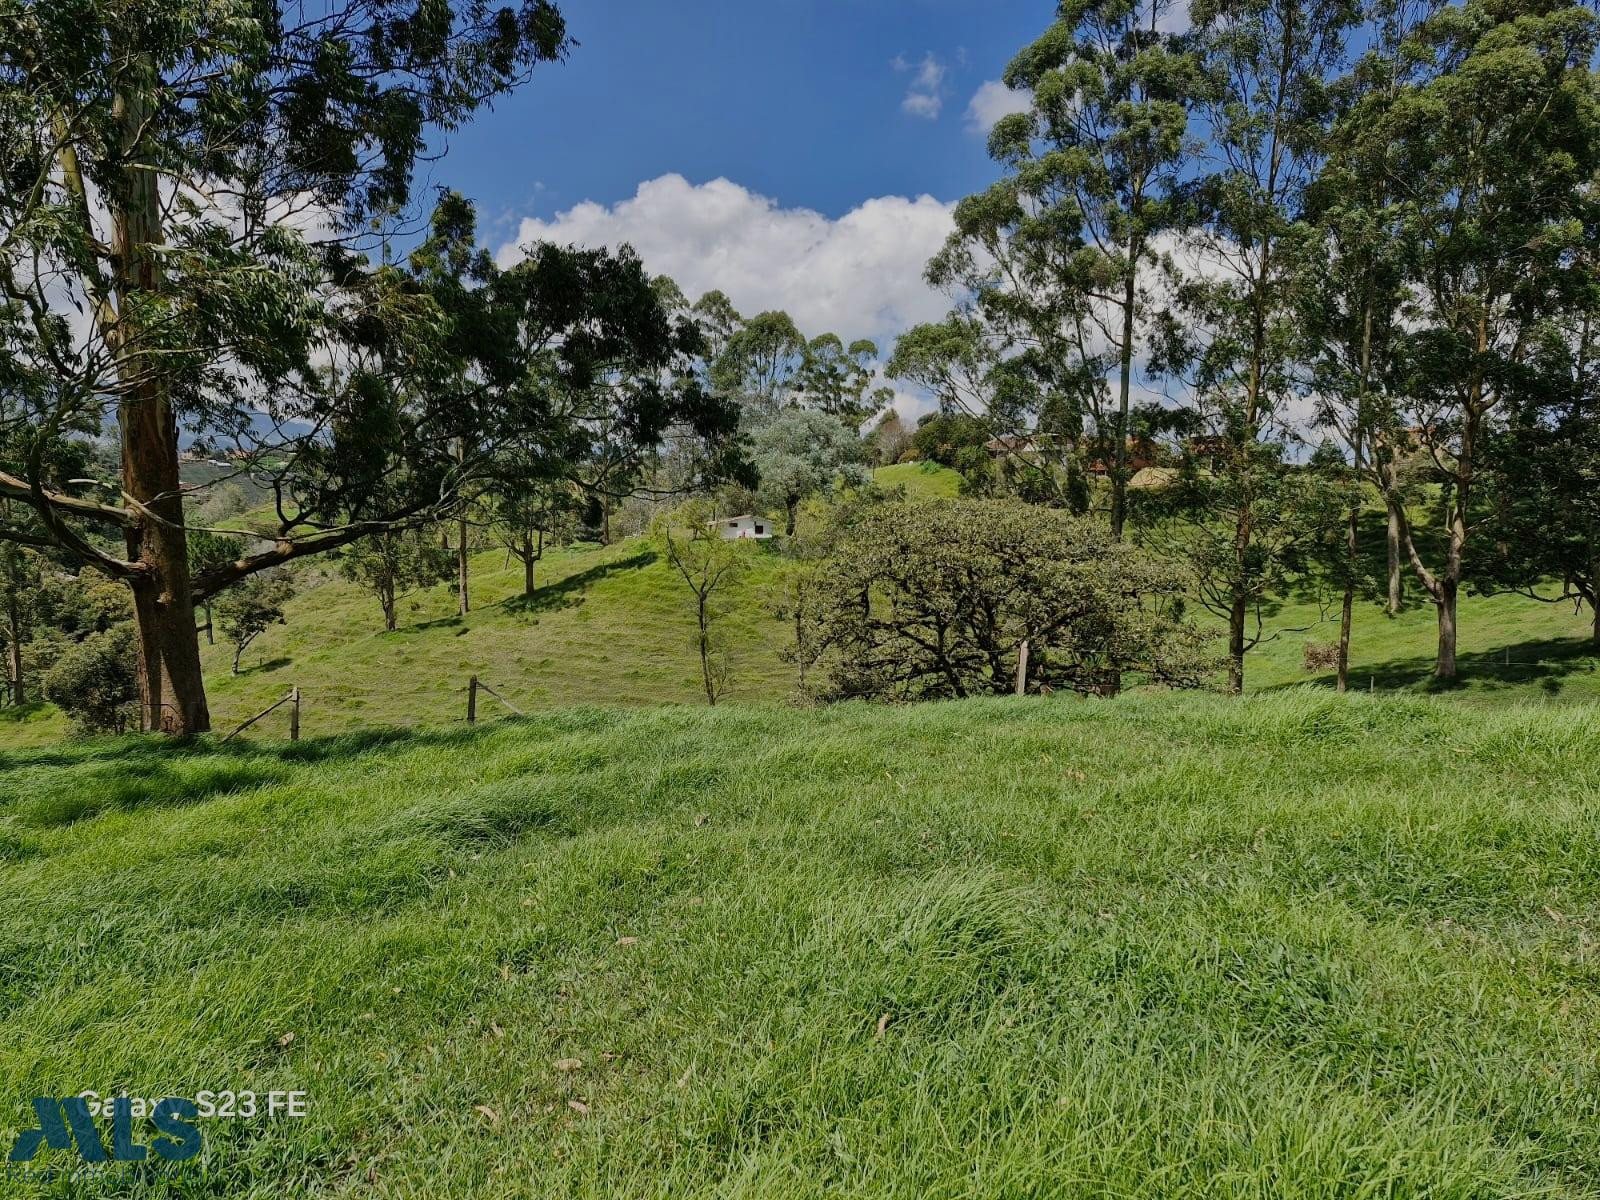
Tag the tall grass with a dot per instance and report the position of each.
(1293, 946)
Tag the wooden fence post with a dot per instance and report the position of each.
(472, 701)
(294, 715)
(1022, 668)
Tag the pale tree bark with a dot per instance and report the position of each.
(461, 564)
(1396, 592)
(19, 691)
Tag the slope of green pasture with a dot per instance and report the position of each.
(606, 626)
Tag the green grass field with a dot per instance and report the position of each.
(1292, 946)
(614, 626)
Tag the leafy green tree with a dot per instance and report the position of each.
(209, 551)
(95, 681)
(762, 364)
(249, 610)
(1232, 328)
(709, 566)
(1351, 264)
(1541, 476)
(1497, 146)
(992, 409)
(802, 453)
(164, 165)
(1294, 514)
(528, 516)
(922, 601)
(838, 380)
(1059, 252)
(956, 441)
(393, 562)
(21, 579)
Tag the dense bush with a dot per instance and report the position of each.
(936, 600)
(95, 681)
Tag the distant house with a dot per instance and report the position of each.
(746, 528)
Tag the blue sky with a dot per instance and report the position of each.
(801, 154)
(799, 100)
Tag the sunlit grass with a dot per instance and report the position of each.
(1294, 946)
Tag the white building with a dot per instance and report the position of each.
(735, 529)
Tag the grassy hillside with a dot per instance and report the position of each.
(921, 480)
(614, 626)
(1294, 946)
(608, 626)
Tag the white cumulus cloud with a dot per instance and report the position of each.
(859, 275)
(992, 101)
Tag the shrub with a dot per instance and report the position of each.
(95, 681)
(920, 601)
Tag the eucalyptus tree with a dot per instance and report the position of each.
(1541, 472)
(839, 380)
(1005, 405)
(761, 363)
(1233, 329)
(1493, 151)
(1353, 285)
(1061, 254)
(167, 169)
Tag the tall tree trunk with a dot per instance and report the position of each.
(387, 599)
(792, 508)
(19, 692)
(703, 614)
(1344, 636)
(172, 696)
(528, 562)
(1594, 599)
(211, 636)
(461, 565)
(1236, 638)
(461, 529)
(1445, 667)
(1396, 592)
(1119, 475)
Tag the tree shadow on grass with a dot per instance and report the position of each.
(134, 749)
(1545, 662)
(267, 667)
(122, 774)
(567, 593)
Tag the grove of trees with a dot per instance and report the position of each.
(1250, 272)
(1345, 253)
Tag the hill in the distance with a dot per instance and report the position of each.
(614, 626)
